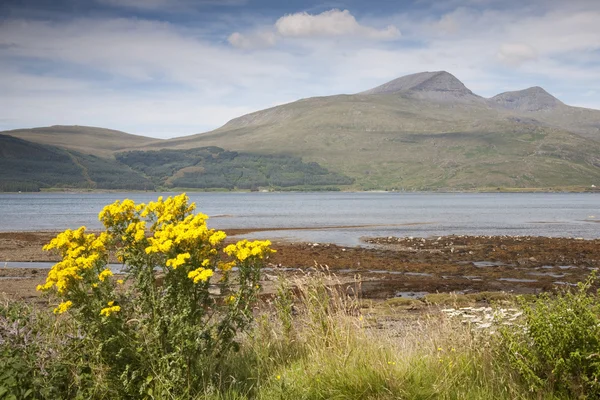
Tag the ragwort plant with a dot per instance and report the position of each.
(165, 330)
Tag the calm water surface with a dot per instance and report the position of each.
(335, 217)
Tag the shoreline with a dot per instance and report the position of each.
(558, 189)
(389, 267)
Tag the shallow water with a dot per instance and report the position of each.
(341, 218)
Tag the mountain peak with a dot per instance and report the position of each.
(531, 99)
(436, 85)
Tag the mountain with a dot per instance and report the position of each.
(425, 131)
(84, 139)
(27, 166)
(435, 86)
(532, 99)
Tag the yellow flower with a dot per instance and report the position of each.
(117, 213)
(217, 238)
(244, 249)
(200, 274)
(278, 377)
(120, 281)
(178, 261)
(105, 274)
(111, 309)
(223, 266)
(62, 307)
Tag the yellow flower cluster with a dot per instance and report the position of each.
(178, 261)
(63, 307)
(200, 275)
(80, 252)
(172, 209)
(225, 266)
(187, 233)
(106, 273)
(111, 309)
(244, 249)
(164, 232)
(137, 230)
(119, 212)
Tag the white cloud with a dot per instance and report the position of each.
(255, 40)
(515, 54)
(330, 23)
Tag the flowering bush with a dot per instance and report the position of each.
(183, 301)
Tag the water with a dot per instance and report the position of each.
(341, 218)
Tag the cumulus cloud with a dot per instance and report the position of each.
(515, 54)
(330, 23)
(333, 23)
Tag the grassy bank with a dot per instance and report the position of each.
(311, 342)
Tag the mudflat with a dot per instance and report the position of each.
(388, 267)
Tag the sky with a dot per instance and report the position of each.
(168, 68)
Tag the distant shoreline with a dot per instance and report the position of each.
(566, 189)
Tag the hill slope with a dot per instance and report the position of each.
(215, 168)
(425, 131)
(84, 139)
(27, 166)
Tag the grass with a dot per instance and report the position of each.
(332, 351)
(309, 342)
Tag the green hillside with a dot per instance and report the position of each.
(213, 167)
(84, 139)
(425, 131)
(26, 166)
(425, 134)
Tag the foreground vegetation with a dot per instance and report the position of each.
(321, 345)
(187, 323)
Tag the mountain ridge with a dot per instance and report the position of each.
(424, 131)
(85, 139)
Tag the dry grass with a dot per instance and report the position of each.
(330, 346)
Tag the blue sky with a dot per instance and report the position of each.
(167, 68)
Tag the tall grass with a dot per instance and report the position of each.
(326, 347)
(310, 341)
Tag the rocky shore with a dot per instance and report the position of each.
(389, 267)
